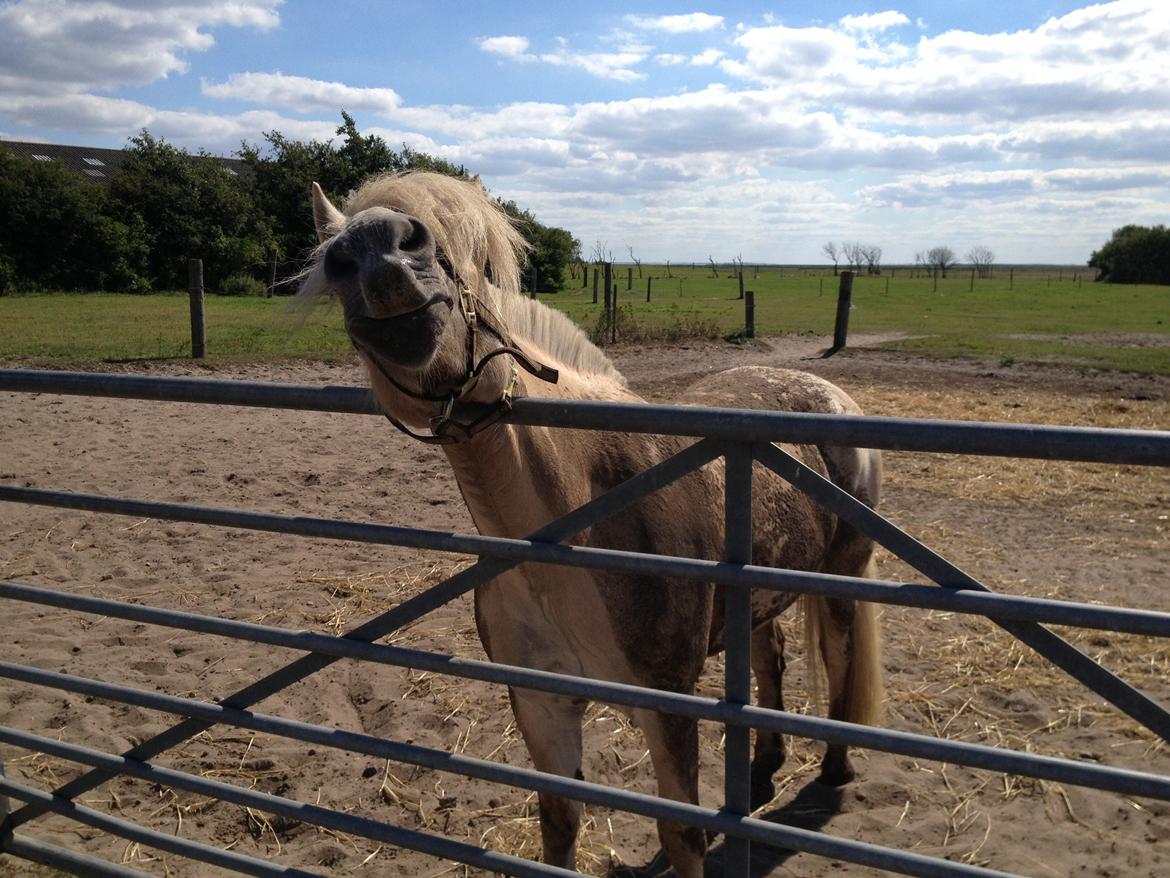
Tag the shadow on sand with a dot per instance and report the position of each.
(812, 809)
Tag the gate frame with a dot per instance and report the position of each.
(741, 438)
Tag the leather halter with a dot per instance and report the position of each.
(445, 428)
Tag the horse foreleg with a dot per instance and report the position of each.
(673, 742)
(551, 727)
(768, 665)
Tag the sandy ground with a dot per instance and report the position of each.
(1085, 532)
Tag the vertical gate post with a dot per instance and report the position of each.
(195, 293)
(737, 685)
(844, 303)
(749, 314)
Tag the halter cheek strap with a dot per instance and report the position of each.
(446, 429)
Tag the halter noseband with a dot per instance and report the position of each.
(445, 428)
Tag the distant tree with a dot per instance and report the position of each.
(635, 260)
(283, 169)
(981, 258)
(871, 254)
(1134, 255)
(829, 248)
(853, 253)
(940, 259)
(60, 231)
(714, 267)
(190, 207)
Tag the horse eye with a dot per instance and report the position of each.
(339, 263)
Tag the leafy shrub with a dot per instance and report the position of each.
(243, 285)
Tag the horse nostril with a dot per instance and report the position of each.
(416, 238)
(339, 263)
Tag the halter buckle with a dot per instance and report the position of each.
(467, 302)
(509, 389)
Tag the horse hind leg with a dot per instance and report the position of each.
(673, 742)
(768, 666)
(846, 634)
(551, 728)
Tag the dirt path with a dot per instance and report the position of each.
(1078, 531)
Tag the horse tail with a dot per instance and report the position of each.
(845, 635)
(856, 691)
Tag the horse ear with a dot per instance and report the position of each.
(329, 219)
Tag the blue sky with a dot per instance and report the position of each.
(678, 131)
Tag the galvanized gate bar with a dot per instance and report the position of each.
(1141, 447)
(973, 602)
(62, 858)
(1090, 444)
(737, 640)
(1053, 647)
(617, 498)
(299, 397)
(753, 829)
(700, 707)
(162, 841)
(340, 821)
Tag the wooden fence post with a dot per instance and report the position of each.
(195, 294)
(629, 278)
(1012, 278)
(971, 286)
(584, 275)
(596, 279)
(648, 280)
(741, 283)
(844, 303)
(749, 314)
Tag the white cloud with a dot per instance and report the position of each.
(670, 59)
(47, 46)
(706, 58)
(930, 190)
(1096, 62)
(693, 22)
(605, 65)
(302, 94)
(874, 21)
(507, 46)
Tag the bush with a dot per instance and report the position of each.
(243, 285)
(1134, 255)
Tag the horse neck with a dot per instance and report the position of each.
(515, 479)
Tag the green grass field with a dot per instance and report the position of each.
(1040, 316)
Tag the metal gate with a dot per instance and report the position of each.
(741, 438)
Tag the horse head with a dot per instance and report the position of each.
(384, 267)
(416, 298)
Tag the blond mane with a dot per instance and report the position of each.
(484, 249)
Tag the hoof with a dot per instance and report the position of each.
(763, 791)
(836, 775)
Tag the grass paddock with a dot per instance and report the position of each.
(1033, 315)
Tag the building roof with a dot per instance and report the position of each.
(92, 162)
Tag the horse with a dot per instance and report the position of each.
(427, 269)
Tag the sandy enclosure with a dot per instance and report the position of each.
(1077, 531)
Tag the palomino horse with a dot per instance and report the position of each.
(426, 268)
